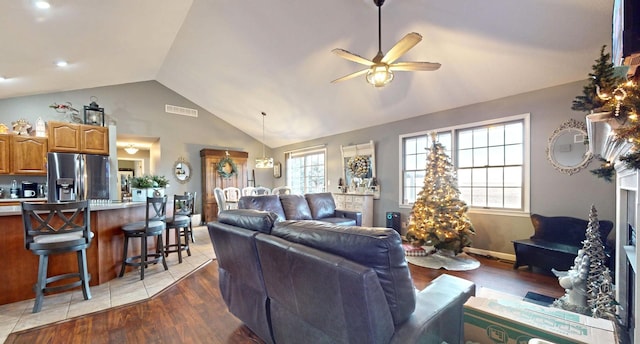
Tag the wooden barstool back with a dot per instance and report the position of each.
(52, 228)
(153, 226)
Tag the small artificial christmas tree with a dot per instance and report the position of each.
(439, 216)
(594, 248)
(604, 304)
(609, 91)
(603, 76)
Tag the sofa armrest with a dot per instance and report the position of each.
(439, 315)
(354, 215)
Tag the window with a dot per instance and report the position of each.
(490, 160)
(306, 170)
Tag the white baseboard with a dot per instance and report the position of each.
(499, 255)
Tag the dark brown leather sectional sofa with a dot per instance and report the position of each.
(308, 281)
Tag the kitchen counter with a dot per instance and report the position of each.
(6, 210)
(19, 268)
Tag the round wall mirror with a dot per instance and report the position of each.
(568, 147)
(182, 171)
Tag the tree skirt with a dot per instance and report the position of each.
(447, 260)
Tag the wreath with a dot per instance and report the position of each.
(227, 168)
(359, 166)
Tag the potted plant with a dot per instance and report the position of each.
(148, 186)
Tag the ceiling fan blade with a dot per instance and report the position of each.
(352, 57)
(351, 76)
(407, 42)
(414, 66)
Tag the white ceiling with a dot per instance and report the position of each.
(239, 58)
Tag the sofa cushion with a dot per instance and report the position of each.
(377, 248)
(264, 202)
(340, 221)
(255, 220)
(321, 205)
(295, 207)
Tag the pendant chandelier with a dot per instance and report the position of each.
(131, 149)
(264, 162)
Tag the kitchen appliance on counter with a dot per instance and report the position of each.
(14, 189)
(75, 177)
(29, 189)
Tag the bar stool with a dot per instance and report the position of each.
(179, 222)
(194, 196)
(153, 226)
(52, 228)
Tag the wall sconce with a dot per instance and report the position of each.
(94, 114)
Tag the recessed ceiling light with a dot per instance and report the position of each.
(61, 63)
(42, 4)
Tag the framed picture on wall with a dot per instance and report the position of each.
(277, 170)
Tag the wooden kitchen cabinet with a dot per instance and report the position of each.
(28, 155)
(5, 162)
(94, 139)
(78, 138)
(212, 179)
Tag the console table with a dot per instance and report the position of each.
(356, 202)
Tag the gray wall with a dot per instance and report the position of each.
(138, 109)
(552, 193)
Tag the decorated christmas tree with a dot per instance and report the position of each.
(439, 216)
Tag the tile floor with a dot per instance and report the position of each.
(119, 291)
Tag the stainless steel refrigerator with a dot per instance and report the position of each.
(75, 177)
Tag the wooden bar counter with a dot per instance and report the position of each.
(19, 267)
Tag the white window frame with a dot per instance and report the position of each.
(304, 152)
(526, 192)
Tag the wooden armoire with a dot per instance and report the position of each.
(212, 179)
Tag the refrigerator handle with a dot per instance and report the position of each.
(81, 176)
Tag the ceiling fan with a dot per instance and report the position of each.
(381, 67)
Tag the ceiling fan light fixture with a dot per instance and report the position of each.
(379, 75)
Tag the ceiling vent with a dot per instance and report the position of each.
(179, 110)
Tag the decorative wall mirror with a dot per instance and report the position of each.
(359, 167)
(182, 171)
(568, 147)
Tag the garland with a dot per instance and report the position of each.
(358, 166)
(610, 92)
(224, 165)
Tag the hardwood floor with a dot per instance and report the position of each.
(192, 310)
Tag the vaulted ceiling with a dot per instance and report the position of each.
(238, 58)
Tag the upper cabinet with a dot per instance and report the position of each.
(5, 167)
(28, 155)
(23, 155)
(94, 139)
(78, 138)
